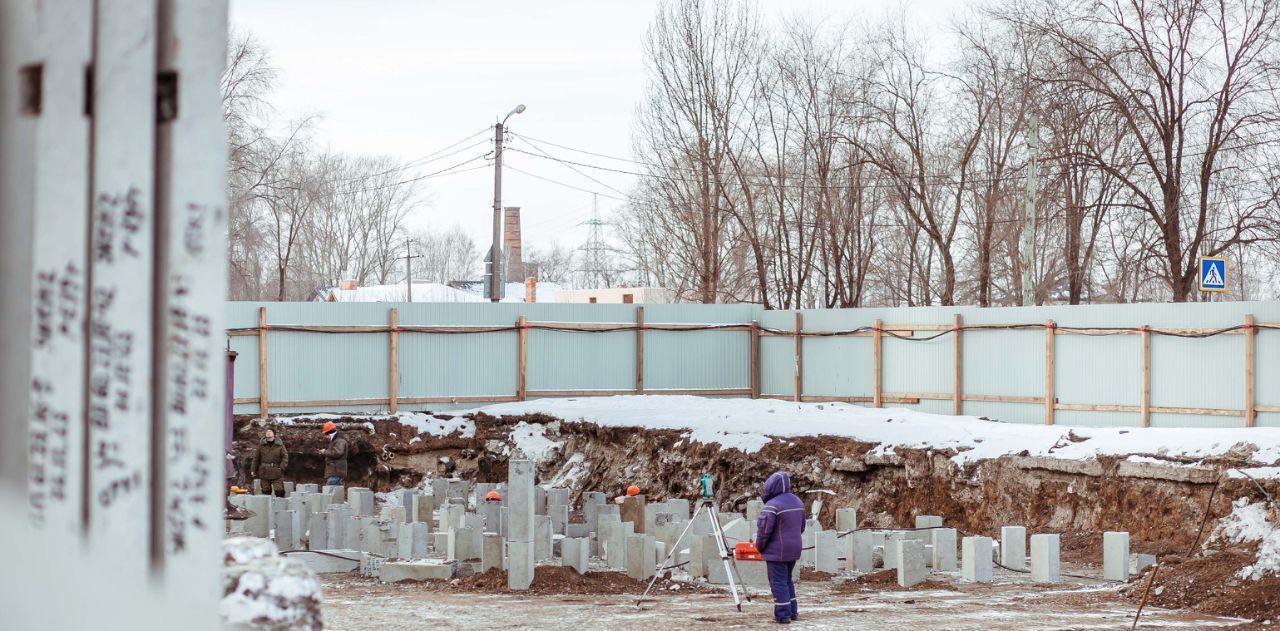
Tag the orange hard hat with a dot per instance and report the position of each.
(633, 490)
(492, 496)
(329, 427)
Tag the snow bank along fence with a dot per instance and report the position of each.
(113, 239)
(1071, 364)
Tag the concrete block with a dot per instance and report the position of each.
(1142, 562)
(423, 508)
(1044, 558)
(592, 501)
(975, 559)
(260, 524)
(309, 488)
(651, 517)
(702, 551)
(411, 540)
(289, 487)
(910, 564)
(491, 545)
(858, 551)
(943, 552)
(678, 507)
(736, 531)
(539, 500)
(439, 491)
(519, 555)
(574, 552)
(257, 486)
(824, 552)
(924, 521)
(753, 574)
(337, 494)
(504, 521)
(331, 563)
(452, 516)
(846, 519)
(576, 531)
(887, 552)
(1115, 556)
(541, 537)
(640, 557)
(439, 541)
(599, 539)
(318, 532)
(463, 544)
(491, 516)
(474, 521)
(393, 514)
(613, 539)
(392, 572)
(559, 516)
(1013, 547)
(286, 537)
(458, 490)
(361, 500)
(370, 565)
(753, 509)
(316, 503)
(557, 496)
(632, 510)
(339, 517)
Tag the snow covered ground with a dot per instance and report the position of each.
(748, 425)
(1249, 523)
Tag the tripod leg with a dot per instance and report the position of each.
(675, 548)
(729, 566)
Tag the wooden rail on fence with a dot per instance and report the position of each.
(877, 332)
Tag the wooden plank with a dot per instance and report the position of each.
(330, 403)
(640, 350)
(262, 363)
(1086, 407)
(1250, 346)
(877, 354)
(191, 286)
(522, 357)
(930, 396)
(56, 434)
(1049, 400)
(818, 398)
(1196, 411)
(799, 357)
(1267, 408)
(121, 289)
(754, 368)
(957, 362)
(1004, 398)
(706, 392)
(1145, 409)
(244, 400)
(393, 361)
(466, 399)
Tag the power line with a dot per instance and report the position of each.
(442, 172)
(559, 183)
(544, 153)
(430, 157)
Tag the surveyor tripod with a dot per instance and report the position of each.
(722, 547)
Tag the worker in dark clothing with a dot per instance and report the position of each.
(269, 462)
(335, 456)
(778, 539)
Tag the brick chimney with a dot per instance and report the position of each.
(511, 244)
(531, 289)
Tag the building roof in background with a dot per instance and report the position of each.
(433, 292)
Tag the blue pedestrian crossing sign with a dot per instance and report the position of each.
(1213, 274)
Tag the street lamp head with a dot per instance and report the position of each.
(518, 109)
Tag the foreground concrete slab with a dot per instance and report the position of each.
(975, 560)
(943, 550)
(491, 551)
(910, 564)
(825, 552)
(858, 551)
(395, 571)
(361, 500)
(1044, 558)
(1143, 561)
(520, 504)
(640, 557)
(542, 537)
(318, 532)
(1115, 556)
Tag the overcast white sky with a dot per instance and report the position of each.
(407, 78)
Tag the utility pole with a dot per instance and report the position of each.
(495, 252)
(408, 266)
(1029, 227)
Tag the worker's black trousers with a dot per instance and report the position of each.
(783, 588)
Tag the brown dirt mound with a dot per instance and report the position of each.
(808, 575)
(884, 580)
(560, 580)
(1209, 584)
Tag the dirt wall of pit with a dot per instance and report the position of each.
(1160, 504)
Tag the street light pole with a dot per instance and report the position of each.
(495, 251)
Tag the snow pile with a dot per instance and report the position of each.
(750, 424)
(423, 423)
(262, 590)
(531, 440)
(572, 471)
(1249, 523)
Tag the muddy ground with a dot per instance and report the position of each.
(354, 604)
(1162, 512)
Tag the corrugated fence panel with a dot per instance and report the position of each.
(1186, 372)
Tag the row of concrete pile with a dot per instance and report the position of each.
(453, 530)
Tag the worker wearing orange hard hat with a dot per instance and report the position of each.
(335, 455)
(493, 496)
(632, 491)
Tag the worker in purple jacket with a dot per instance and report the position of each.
(778, 531)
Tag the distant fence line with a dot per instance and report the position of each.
(757, 359)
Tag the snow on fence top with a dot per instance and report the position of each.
(750, 424)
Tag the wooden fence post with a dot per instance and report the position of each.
(1050, 332)
(262, 362)
(1146, 376)
(393, 362)
(640, 350)
(522, 334)
(877, 354)
(1250, 406)
(957, 377)
(799, 357)
(754, 354)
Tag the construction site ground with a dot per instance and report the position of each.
(608, 600)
